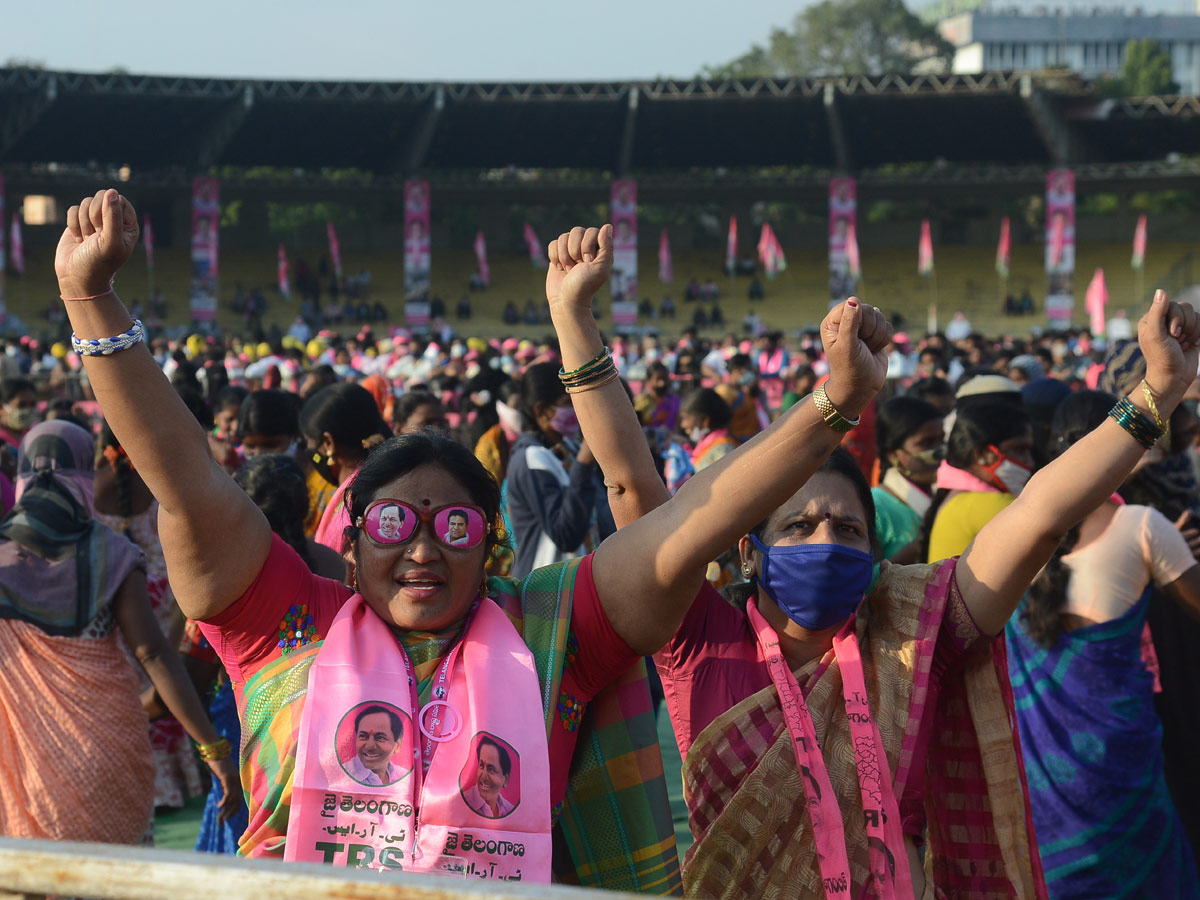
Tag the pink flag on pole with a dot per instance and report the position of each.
(1096, 301)
(335, 251)
(925, 250)
(18, 245)
(1004, 248)
(666, 271)
(537, 253)
(285, 285)
(853, 261)
(731, 247)
(1139, 244)
(485, 273)
(148, 240)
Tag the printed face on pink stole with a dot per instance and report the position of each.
(375, 743)
(491, 778)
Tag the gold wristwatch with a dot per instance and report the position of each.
(829, 413)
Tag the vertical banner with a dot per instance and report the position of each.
(285, 283)
(925, 250)
(3, 247)
(485, 272)
(1138, 261)
(1060, 247)
(624, 280)
(203, 299)
(853, 260)
(416, 254)
(1004, 249)
(148, 241)
(731, 248)
(666, 269)
(770, 252)
(335, 252)
(1097, 302)
(843, 221)
(537, 253)
(18, 245)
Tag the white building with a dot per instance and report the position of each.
(1087, 40)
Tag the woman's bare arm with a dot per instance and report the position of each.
(1011, 549)
(214, 538)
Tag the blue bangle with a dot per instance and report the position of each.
(110, 345)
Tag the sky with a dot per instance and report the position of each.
(401, 40)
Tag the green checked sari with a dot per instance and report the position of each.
(614, 829)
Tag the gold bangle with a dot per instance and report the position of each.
(1153, 406)
(217, 750)
(606, 368)
(592, 385)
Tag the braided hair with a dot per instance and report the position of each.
(1041, 615)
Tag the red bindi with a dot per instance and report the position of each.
(424, 502)
(828, 516)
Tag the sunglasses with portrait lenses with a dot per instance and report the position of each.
(459, 526)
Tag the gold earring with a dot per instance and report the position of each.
(747, 570)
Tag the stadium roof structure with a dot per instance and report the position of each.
(174, 126)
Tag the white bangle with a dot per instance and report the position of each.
(110, 345)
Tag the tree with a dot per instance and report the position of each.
(1147, 70)
(843, 37)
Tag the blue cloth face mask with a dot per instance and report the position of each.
(816, 585)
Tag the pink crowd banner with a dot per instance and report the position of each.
(1138, 260)
(624, 280)
(416, 254)
(537, 253)
(285, 283)
(485, 273)
(925, 250)
(1004, 248)
(335, 252)
(843, 221)
(666, 270)
(205, 202)
(148, 241)
(3, 247)
(18, 245)
(1060, 247)
(731, 247)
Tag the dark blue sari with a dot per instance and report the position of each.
(1092, 742)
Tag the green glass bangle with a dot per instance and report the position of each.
(601, 371)
(590, 364)
(1135, 422)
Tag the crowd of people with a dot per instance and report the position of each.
(921, 613)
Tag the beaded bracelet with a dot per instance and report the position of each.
(219, 749)
(586, 368)
(592, 385)
(1137, 423)
(109, 346)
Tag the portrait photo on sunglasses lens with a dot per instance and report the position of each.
(390, 521)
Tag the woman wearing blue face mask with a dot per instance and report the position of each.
(551, 487)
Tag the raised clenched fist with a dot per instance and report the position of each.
(101, 232)
(580, 262)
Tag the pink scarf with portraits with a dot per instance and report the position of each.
(466, 788)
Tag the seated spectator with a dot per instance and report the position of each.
(511, 315)
(755, 291)
(700, 318)
(666, 309)
(716, 318)
(531, 316)
(464, 308)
